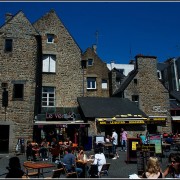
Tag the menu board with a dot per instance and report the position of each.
(131, 149)
(143, 153)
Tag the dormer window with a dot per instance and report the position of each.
(50, 38)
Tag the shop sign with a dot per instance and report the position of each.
(122, 122)
(157, 119)
(61, 125)
(59, 116)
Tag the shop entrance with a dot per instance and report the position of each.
(4, 138)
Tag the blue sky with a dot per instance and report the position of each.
(125, 29)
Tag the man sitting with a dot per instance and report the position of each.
(70, 162)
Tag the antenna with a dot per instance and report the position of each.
(130, 52)
(97, 36)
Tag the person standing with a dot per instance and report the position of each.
(123, 139)
(114, 144)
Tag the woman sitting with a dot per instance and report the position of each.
(153, 170)
(82, 156)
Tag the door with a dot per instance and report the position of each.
(4, 138)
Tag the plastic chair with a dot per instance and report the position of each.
(72, 175)
(93, 171)
(105, 169)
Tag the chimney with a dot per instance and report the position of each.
(8, 17)
(95, 48)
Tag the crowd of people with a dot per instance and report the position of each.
(76, 160)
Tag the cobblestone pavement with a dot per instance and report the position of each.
(118, 168)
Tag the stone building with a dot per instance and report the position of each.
(61, 80)
(95, 71)
(41, 71)
(144, 88)
(18, 58)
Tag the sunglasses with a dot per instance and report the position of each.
(173, 162)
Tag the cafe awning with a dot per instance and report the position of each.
(156, 119)
(63, 123)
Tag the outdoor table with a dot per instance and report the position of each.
(83, 165)
(107, 148)
(38, 166)
(177, 144)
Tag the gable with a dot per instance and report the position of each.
(18, 26)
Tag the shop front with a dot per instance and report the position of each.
(155, 123)
(176, 124)
(131, 124)
(76, 131)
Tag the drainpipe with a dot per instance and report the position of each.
(175, 73)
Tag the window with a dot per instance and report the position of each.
(50, 38)
(159, 74)
(8, 45)
(48, 96)
(90, 62)
(49, 63)
(91, 83)
(135, 81)
(104, 84)
(135, 98)
(18, 91)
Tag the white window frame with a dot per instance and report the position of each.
(91, 83)
(48, 96)
(104, 84)
(49, 63)
(90, 60)
(50, 36)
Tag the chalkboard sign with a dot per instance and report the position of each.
(144, 151)
(131, 149)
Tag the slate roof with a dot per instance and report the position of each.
(175, 95)
(102, 107)
(126, 82)
(174, 105)
(161, 66)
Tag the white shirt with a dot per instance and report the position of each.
(99, 159)
(115, 138)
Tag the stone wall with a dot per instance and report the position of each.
(98, 70)
(68, 77)
(150, 90)
(18, 66)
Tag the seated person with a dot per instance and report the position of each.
(68, 142)
(173, 169)
(29, 150)
(108, 139)
(99, 158)
(153, 169)
(14, 168)
(81, 155)
(35, 151)
(55, 149)
(44, 149)
(169, 140)
(69, 160)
